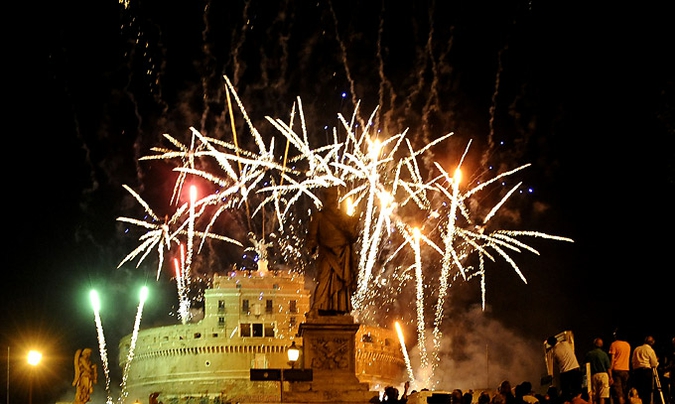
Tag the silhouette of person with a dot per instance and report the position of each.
(506, 391)
(570, 371)
(644, 360)
(525, 394)
(619, 353)
(86, 375)
(484, 397)
(331, 235)
(669, 372)
(467, 397)
(456, 397)
(391, 395)
(552, 396)
(600, 377)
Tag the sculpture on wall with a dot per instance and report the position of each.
(86, 375)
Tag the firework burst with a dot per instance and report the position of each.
(419, 225)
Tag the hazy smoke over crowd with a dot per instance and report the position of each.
(479, 352)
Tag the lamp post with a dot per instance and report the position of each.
(34, 358)
(293, 354)
(281, 375)
(7, 375)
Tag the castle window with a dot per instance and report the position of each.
(221, 306)
(292, 321)
(268, 306)
(293, 306)
(198, 335)
(245, 306)
(221, 321)
(269, 330)
(258, 330)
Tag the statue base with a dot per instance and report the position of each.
(329, 349)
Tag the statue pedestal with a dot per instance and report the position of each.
(329, 350)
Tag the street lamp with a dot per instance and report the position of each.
(284, 375)
(34, 358)
(293, 354)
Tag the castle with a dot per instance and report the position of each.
(250, 320)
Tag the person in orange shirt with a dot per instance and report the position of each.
(619, 370)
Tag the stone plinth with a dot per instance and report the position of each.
(329, 350)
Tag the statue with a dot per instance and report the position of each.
(332, 234)
(152, 398)
(86, 375)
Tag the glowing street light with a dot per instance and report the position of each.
(34, 358)
(293, 354)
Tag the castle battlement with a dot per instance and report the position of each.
(250, 318)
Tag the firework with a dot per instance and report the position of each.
(132, 346)
(418, 213)
(103, 352)
(406, 358)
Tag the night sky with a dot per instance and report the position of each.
(584, 94)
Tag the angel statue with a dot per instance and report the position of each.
(86, 375)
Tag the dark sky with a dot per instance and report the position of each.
(585, 94)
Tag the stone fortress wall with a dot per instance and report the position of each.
(250, 319)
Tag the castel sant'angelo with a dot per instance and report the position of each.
(238, 351)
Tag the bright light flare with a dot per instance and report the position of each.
(350, 207)
(95, 301)
(457, 177)
(193, 194)
(144, 294)
(34, 357)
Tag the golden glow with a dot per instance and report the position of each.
(375, 148)
(34, 357)
(293, 353)
(350, 208)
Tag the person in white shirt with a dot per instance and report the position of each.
(644, 361)
(570, 371)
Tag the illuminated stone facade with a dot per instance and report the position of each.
(250, 319)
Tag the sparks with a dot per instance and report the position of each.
(431, 221)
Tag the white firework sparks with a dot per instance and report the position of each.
(384, 183)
